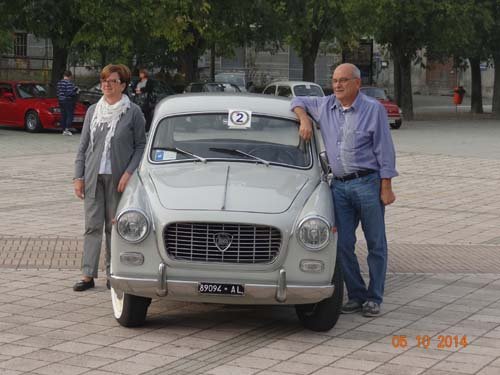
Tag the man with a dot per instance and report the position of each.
(361, 154)
(66, 95)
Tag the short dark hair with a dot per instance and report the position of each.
(122, 70)
(67, 73)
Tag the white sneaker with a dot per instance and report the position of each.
(67, 132)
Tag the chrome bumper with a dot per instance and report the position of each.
(180, 290)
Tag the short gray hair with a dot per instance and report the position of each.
(356, 73)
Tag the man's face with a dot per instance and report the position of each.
(344, 85)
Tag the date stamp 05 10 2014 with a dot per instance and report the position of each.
(428, 342)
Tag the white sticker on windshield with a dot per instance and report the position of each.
(162, 155)
(239, 119)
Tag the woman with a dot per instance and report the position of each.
(111, 146)
(143, 91)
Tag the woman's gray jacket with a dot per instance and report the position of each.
(127, 147)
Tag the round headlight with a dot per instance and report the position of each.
(314, 233)
(132, 225)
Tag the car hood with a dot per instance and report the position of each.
(239, 187)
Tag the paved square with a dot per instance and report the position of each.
(441, 313)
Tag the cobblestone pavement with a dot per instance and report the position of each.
(443, 282)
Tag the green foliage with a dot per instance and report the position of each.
(6, 41)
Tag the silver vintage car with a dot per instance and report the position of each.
(228, 206)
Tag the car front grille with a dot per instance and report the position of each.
(222, 242)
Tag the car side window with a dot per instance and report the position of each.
(284, 91)
(5, 88)
(270, 90)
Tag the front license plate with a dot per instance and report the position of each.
(222, 289)
(78, 119)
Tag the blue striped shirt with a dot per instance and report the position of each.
(66, 89)
(355, 139)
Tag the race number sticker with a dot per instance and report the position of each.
(239, 119)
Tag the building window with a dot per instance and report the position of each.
(21, 44)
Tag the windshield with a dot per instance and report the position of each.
(230, 78)
(308, 90)
(208, 136)
(374, 92)
(31, 90)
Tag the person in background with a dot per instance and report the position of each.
(355, 131)
(111, 146)
(66, 95)
(143, 92)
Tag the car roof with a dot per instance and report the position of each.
(292, 83)
(223, 102)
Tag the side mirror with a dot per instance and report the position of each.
(323, 160)
(9, 96)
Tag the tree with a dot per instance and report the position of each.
(309, 22)
(405, 27)
(56, 20)
(463, 24)
(494, 49)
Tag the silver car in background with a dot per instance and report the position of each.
(228, 206)
(291, 89)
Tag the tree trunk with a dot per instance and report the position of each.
(406, 90)
(189, 63)
(476, 99)
(397, 77)
(103, 54)
(496, 86)
(308, 67)
(212, 62)
(60, 58)
(309, 52)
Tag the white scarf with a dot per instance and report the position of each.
(107, 114)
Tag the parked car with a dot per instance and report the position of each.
(293, 88)
(236, 78)
(92, 94)
(27, 104)
(228, 206)
(393, 111)
(211, 87)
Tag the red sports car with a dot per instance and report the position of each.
(25, 104)
(393, 111)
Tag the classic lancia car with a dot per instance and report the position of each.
(228, 206)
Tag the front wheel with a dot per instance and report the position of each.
(32, 122)
(397, 124)
(323, 316)
(129, 310)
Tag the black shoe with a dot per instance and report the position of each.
(351, 306)
(108, 284)
(82, 285)
(371, 309)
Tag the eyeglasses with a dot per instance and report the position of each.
(342, 81)
(110, 81)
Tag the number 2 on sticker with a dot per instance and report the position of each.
(239, 117)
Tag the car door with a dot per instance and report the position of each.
(8, 108)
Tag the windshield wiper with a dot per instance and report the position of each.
(235, 151)
(176, 149)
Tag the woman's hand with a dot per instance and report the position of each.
(123, 182)
(79, 186)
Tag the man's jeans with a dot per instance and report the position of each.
(354, 201)
(67, 109)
